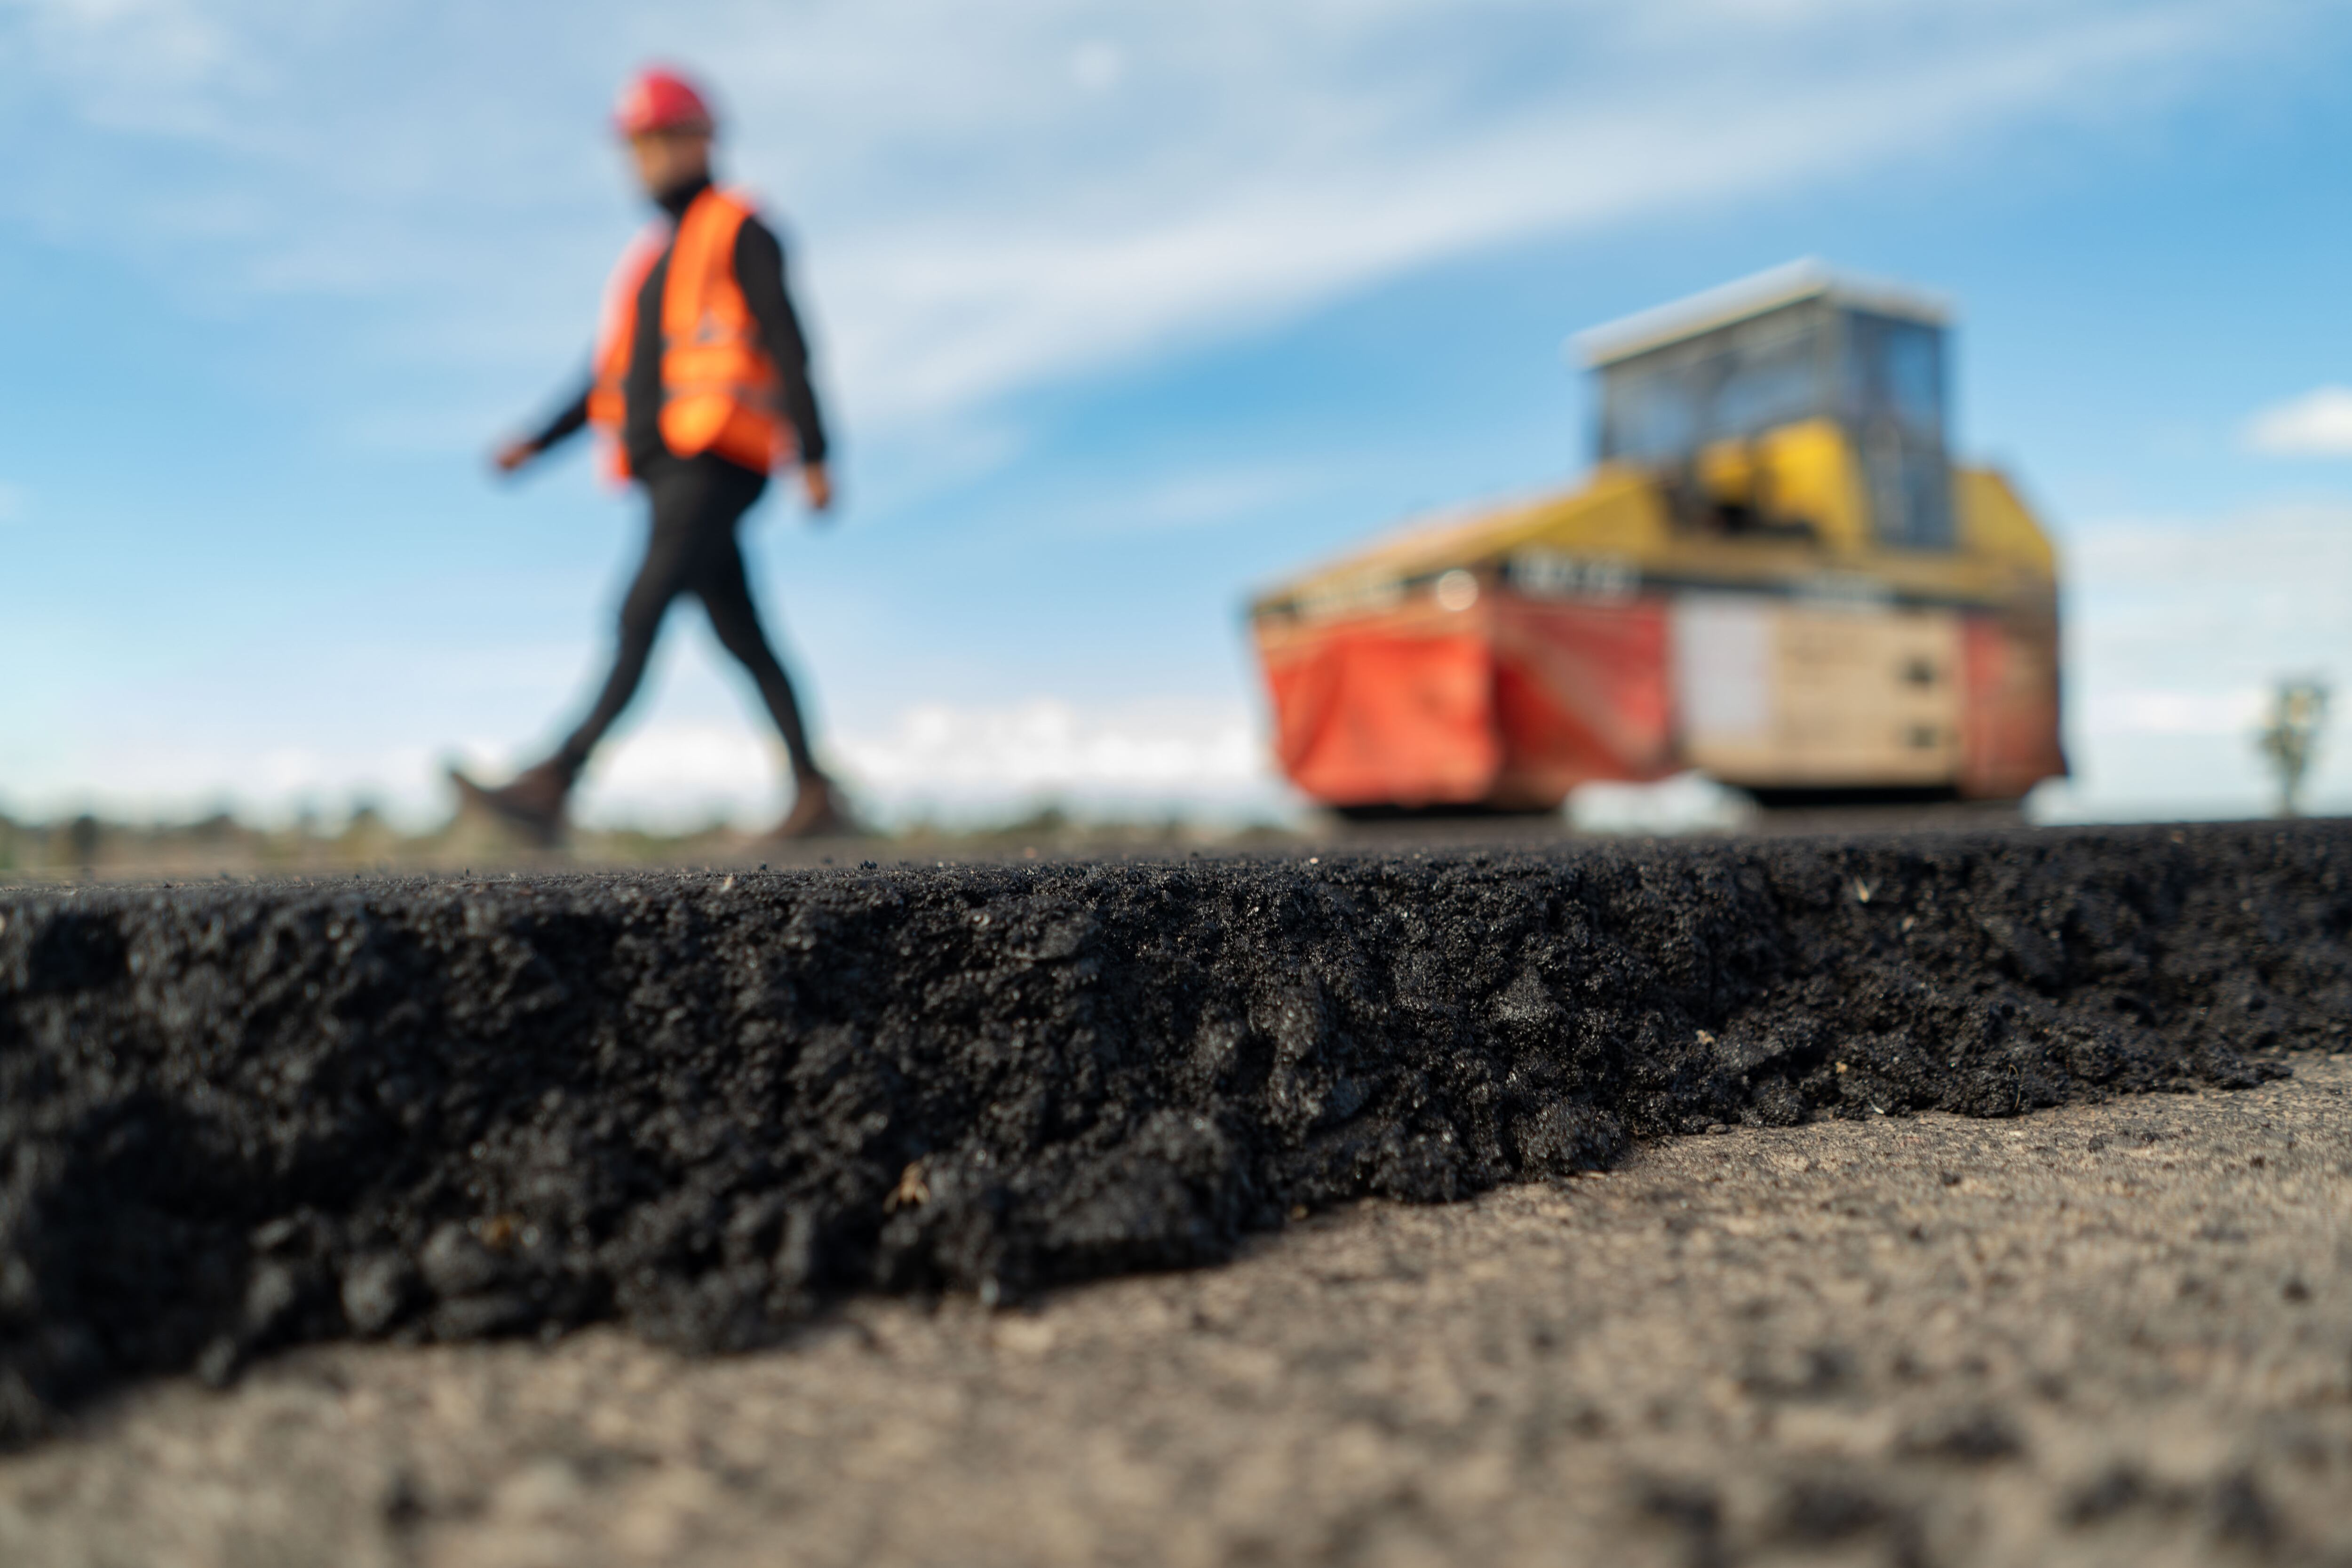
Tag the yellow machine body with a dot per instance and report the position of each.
(1822, 604)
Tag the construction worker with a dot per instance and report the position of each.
(700, 389)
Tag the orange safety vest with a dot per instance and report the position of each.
(720, 389)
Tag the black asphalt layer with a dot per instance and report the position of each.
(236, 1116)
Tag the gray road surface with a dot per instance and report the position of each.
(2115, 1334)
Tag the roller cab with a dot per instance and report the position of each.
(1774, 573)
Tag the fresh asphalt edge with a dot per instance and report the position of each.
(239, 1116)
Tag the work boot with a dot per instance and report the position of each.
(532, 806)
(818, 812)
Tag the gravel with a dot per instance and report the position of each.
(2115, 1334)
(239, 1116)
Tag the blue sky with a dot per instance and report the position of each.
(1119, 310)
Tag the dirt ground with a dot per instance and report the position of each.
(2103, 1333)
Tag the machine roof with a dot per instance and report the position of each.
(1787, 284)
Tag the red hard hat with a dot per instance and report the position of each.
(659, 100)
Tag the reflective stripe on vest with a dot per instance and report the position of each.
(615, 334)
(719, 390)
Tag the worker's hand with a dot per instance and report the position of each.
(514, 456)
(819, 485)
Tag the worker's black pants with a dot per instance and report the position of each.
(697, 503)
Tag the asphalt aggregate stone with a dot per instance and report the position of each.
(239, 1116)
(2122, 1339)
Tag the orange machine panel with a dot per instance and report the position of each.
(2008, 726)
(1370, 716)
(1583, 692)
(1510, 704)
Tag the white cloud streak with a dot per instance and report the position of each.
(2177, 632)
(1000, 197)
(958, 764)
(955, 764)
(943, 758)
(2316, 424)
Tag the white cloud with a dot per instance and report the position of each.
(1294, 190)
(973, 227)
(2177, 631)
(958, 764)
(1139, 757)
(180, 777)
(2212, 714)
(674, 776)
(1208, 498)
(1098, 66)
(2316, 424)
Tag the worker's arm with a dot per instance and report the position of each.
(567, 423)
(759, 272)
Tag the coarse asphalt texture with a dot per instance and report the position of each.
(236, 1117)
(2106, 1333)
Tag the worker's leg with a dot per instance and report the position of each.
(671, 548)
(725, 590)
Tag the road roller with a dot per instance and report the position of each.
(1775, 573)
